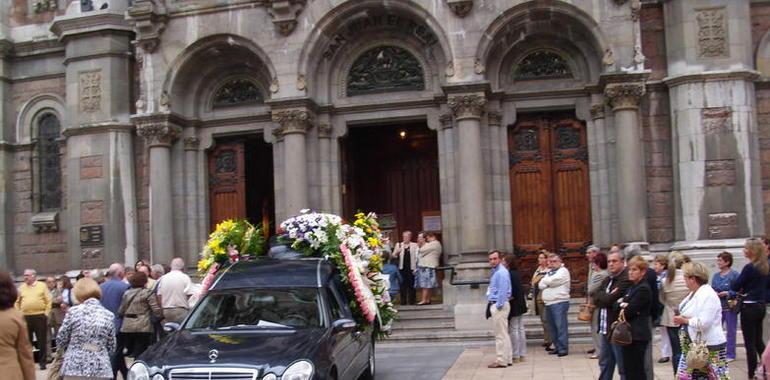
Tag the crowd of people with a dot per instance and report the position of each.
(86, 328)
(695, 313)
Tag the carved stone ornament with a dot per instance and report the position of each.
(284, 14)
(90, 91)
(43, 6)
(164, 103)
(494, 118)
(712, 33)
(301, 82)
(450, 69)
(291, 121)
(597, 111)
(624, 95)
(383, 69)
(478, 67)
(619, 2)
(324, 130)
(636, 8)
(274, 86)
(460, 8)
(191, 143)
(445, 120)
(149, 18)
(467, 106)
(608, 60)
(159, 133)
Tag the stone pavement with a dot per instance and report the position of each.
(538, 365)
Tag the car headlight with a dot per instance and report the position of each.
(269, 376)
(158, 377)
(301, 370)
(139, 371)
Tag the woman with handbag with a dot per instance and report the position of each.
(540, 272)
(635, 308)
(135, 309)
(753, 283)
(721, 283)
(672, 291)
(703, 342)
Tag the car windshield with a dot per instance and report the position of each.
(257, 308)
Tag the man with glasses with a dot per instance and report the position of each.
(612, 289)
(498, 293)
(35, 303)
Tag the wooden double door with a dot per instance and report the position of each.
(550, 192)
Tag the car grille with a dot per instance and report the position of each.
(213, 374)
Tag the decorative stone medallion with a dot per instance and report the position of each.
(460, 8)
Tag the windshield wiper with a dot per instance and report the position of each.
(260, 325)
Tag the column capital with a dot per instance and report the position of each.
(159, 134)
(624, 95)
(325, 130)
(445, 121)
(494, 118)
(597, 111)
(291, 121)
(468, 106)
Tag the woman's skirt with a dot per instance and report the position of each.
(425, 278)
(717, 368)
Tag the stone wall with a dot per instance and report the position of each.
(760, 22)
(763, 124)
(142, 198)
(656, 131)
(654, 41)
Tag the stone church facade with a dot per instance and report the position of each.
(130, 128)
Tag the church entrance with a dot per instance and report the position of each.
(241, 181)
(393, 171)
(550, 192)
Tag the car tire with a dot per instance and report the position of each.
(370, 367)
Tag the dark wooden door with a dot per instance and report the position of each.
(550, 198)
(227, 182)
(392, 169)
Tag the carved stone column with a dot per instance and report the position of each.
(632, 203)
(325, 165)
(159, 136)
(293, 125)
(192, 198)
(467, 110)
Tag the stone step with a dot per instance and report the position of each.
(533, 335)
(419, 308)
(428, 314)
(412, 325)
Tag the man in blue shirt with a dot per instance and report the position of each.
(498, 294)
(112, 295)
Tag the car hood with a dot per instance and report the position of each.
(266, 349)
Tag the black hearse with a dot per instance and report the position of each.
(265, 319)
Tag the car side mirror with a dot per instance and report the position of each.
(343, 324)
(170, 327)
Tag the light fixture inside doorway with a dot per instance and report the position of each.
(402, 134)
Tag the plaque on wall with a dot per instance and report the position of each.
(92, 236)
(431, 221)
(387, 221)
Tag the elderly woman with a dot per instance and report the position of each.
(87, 335)
(136, 307)
(753, 283)
(673, 290)
(15, 350)
(701, 313)
(540, 272)
(427, 262)
(636, 305)
(598, 275)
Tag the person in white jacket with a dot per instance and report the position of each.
(701, 312)
(555, 288)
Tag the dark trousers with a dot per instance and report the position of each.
(408, 294)
(632, 360)
(752, 315)
(676, 348)
(610, 355)
(38, 324)
(137, 343)
(119, 358)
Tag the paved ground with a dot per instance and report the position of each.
(423, 363)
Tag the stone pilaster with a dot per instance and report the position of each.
(159, 135)
(632, 203)
(192, 198)
(325, 165)
(467, 109)
(292, 129)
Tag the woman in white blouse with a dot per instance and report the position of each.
(701, 313)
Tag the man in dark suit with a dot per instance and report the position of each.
(611, 290)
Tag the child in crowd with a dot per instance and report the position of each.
(660, 265)
(394, 276)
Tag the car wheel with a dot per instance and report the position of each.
(369, 373)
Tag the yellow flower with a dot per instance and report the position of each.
(226, 225)
(360, 215)
(368, 230)
(373, 242)
(203, 264)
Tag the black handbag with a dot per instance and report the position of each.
(620, 331)
(736, 303)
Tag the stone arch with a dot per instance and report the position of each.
(547, 24)
(192, 78)
(32, 110)
(332, 46)
(763, 55)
